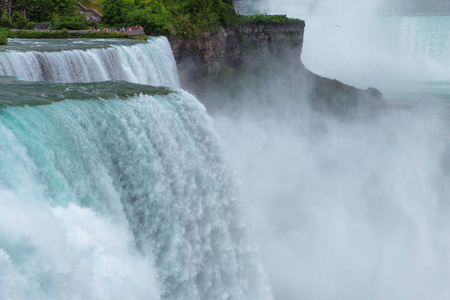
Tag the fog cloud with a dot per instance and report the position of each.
(359, 209)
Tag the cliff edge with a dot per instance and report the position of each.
(232, 60)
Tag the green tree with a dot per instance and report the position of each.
(35, 10)
(3, 36)
(211, 14)
(154, 17)
(64, 7)
(72, 23)
(185, 17)
(19, 21)
(115, 11)
(5, 21)
(43, 10)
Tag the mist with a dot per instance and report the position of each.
(353, 210)
(356, 208)
(365, 43)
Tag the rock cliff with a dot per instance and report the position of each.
(203, 58)
(232, 60)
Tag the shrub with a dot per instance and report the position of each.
(5, 20)
(16, 21)
(4, 36)
(153, 18)
(280, 19)
(168, 17)
(30, 25)
(139, 37)
(72, 23)
(115, 11)
(19, 21)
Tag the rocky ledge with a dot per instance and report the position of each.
(235, 59)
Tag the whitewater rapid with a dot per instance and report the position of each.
(109, 193)
(115, 190)
(146, 63)
(148, 167)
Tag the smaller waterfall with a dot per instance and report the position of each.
(149, 63)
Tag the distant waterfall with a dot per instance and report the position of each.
(421, 38)
(379, 51)
(146, 63)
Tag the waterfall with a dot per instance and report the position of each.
(121, 190)
(379, 51)
(421, 41)
(111, 188)
(146, 63)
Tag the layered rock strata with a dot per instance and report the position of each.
(256, 56)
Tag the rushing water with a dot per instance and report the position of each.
(115, 190)
(146, 63)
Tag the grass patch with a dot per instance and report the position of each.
(270, 19)
(139, 37)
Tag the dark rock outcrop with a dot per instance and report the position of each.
(263, 57)
(332, 96)
(203, 59)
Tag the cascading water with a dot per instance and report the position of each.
(387, 52)
(146, 63)
(115, 190)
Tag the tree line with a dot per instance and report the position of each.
(38, 10)
(157, 17)
(168, 17)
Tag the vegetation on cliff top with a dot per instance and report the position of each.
(266, 19)
(157, 17)
(169, 17)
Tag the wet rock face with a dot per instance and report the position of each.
(334, 97)
(272, 37)
(232, 62)
(203, 58)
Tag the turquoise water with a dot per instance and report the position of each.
(54, 45)
(150, 63)
(21, 93)
(138, 165)
(112, 188)
(117, 184)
